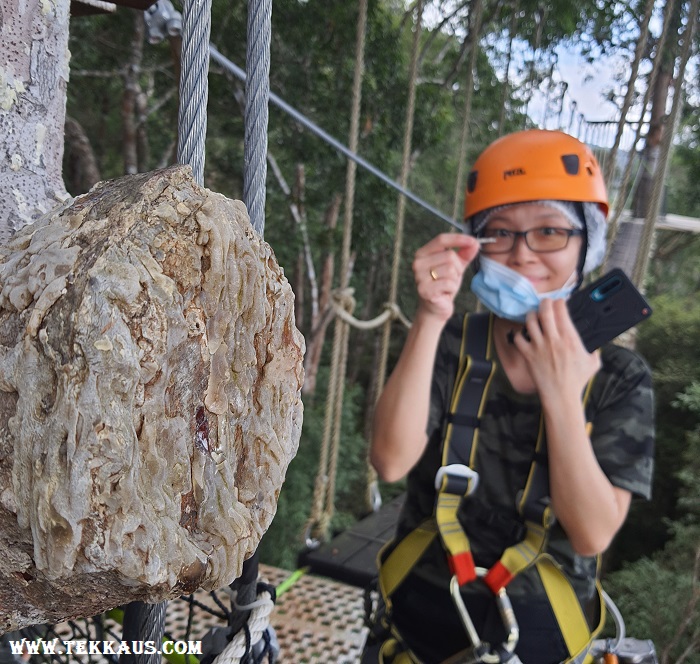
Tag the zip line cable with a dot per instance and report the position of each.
(257, 93)
(303, 120)
(143, 620)
(194, 88)
(251, 614)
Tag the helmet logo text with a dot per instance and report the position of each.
(512, 172)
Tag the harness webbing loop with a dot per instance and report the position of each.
(457, 479)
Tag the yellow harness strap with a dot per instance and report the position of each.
(457, 479)
(391, 653)
(396, 566)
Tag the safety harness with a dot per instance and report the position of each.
(455, 480)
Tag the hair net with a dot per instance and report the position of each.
(593, 222)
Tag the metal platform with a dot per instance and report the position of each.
(316, 621)
(351, 556)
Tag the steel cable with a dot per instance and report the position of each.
(194, 90)
(257, 93)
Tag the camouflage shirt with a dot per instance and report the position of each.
(620, 409)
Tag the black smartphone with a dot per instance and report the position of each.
(606, 308)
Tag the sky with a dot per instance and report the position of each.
(584, 96)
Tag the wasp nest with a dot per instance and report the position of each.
(150, 379)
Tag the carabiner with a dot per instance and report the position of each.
(464, 615)
(482, 650)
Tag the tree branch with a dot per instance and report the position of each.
(300, 220)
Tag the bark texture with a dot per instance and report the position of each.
(150, 381)
(33, 79)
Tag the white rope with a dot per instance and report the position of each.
(258, 622)
(342, 302)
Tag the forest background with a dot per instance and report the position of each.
(122, 118)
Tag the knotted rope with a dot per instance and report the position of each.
(324, 488)
(258, 622)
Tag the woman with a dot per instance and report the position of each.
(536, 207)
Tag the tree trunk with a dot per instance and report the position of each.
(33, 78)
(319, 322)
(652, 145)
(150, 398)
(130, 98)
(81, 169)
(666, 56)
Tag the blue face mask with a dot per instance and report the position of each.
(508, 294)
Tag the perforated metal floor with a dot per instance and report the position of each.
(316, 621)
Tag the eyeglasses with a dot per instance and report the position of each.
(540, 240)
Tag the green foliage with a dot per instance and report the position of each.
(668, 341)
(285, 537)
(683, 196)
(659, 596)
(675, 268)
(100, 51)
(654, 602)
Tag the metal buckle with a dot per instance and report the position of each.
(482, 650)
(458, 470)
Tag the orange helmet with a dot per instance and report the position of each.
(534, 165)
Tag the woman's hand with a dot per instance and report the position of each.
(587, 505)
(556, 358)
(438, 268)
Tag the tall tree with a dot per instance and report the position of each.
(662, 86)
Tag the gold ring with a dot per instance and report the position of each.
(433, 274)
